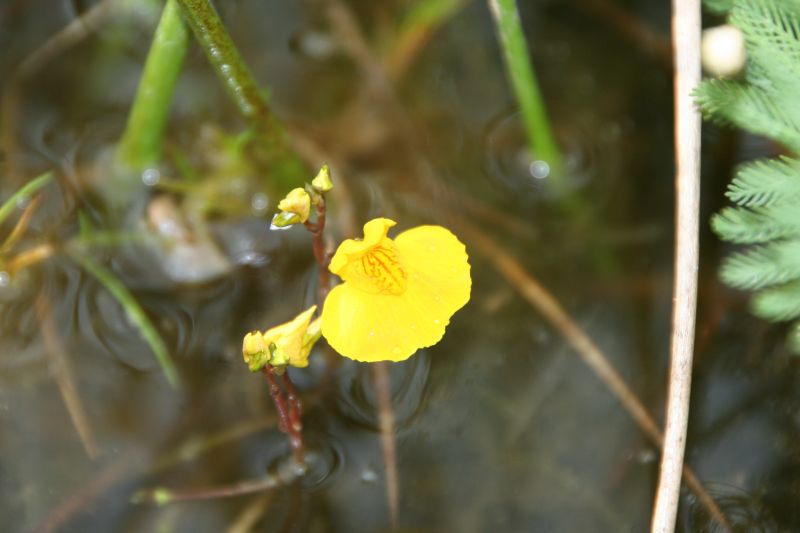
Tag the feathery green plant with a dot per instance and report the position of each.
(766, 193)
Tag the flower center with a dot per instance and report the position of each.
(378, 271)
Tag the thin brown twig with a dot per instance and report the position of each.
(536, 295)
(251, 514)
(73, 33)
(93, 489)
(64, 378)
(22, 224)
(162, 496)
(386, 422)
(686, 29)
(30, 257)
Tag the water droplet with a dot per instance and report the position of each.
(368, 475)
(437, 298)
(23, 201)
(5, 279)
(437, 321)
(371, 333)
(259, 203)
(413, 326)
(151, 177)
(539, 169)
(396, 350)
(432, 247)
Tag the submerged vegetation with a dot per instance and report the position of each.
(766, 192)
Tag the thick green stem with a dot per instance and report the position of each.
(526, 89)
(140, 147)
(226, 60)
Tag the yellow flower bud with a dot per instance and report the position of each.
(297, 202)
(286, 344)
(323, 183)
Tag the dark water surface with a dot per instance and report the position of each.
(500, 427)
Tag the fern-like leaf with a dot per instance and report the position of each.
(779, 303)
(757, 225)
(747, 107)
(766, 182)
(764, 266)
(772, 37)
(718, 6)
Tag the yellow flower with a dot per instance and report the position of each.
(398, 295)
(297, 202)
(287, 344)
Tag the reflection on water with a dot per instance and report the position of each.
(499, 427)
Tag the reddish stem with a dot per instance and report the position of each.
(289, 411)
(277, 398)
(323, 259)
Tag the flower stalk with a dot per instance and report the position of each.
(289, 411)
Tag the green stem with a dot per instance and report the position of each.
(242, 88)
(133, 310)
(25, 191)
(140, 147)
(526, 89)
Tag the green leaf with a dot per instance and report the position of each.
(757, 225)
(763, 266)
(778, 303)
(771, 30)
(718, 6)
(747, 107)
(134, 311)
(766, 182)
(24, 192)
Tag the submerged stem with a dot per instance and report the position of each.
(242, 88)
(526, 88)
(140, 146)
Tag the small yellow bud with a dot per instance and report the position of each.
(297, 202)
(322, 183)
(286, 344)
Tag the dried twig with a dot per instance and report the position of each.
(64, 378)
(70, 35)
(386, 420)
(536, 295)
(686, 46)
(251, 514)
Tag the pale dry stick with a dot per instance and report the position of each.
(70, 35)
(536, 295)
(251, 514)
(686, 49)
(64, 378)
(386, 422)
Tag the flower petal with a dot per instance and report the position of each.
(378, 327)
(374, 232)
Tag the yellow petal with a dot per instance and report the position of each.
(351, 249)
(376, 327)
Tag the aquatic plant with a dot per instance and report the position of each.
(398, 294)
(526, 88)
(765, 192)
